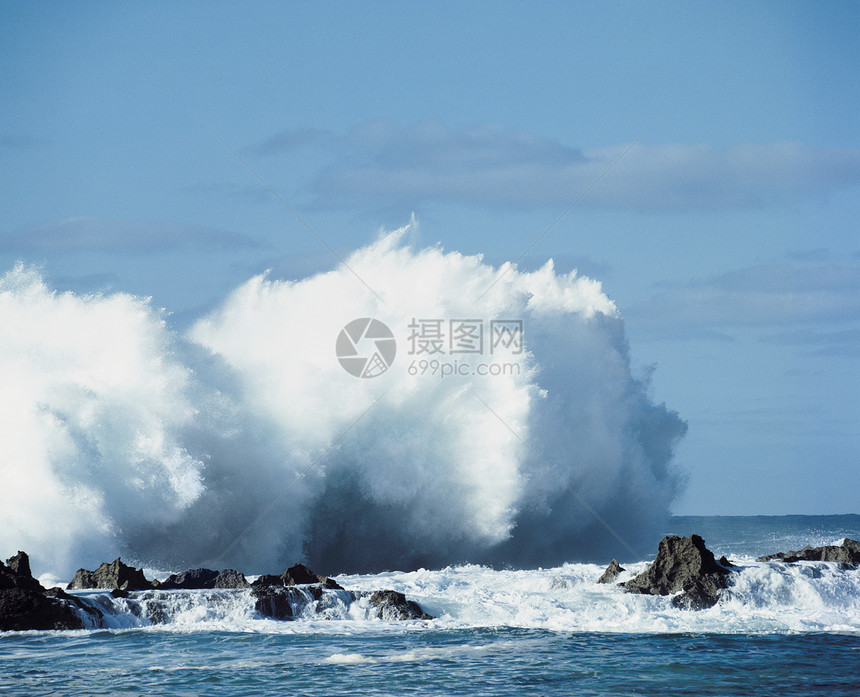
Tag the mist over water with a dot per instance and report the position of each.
(121, 436)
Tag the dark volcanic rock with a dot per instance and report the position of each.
(846, 553)
(283, 602)
(230, 578)
(193, 578)
(275, 601)
(700, 593)
(20, 564)
(277, 596)
(17, 574)
(297, 575)
(113, 575)
(205, 579)
(267, 580)
(27, 609)
(612, 572)
(682, 564)
(391, 605)
(725, 562)
(25, 604)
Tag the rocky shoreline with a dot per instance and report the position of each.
(847, 554)
(684, 568)
(26, 605)
(683, 564)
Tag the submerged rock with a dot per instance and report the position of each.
(846, 553)
(682, 564)
(290, 602)
(204, 579)
(612, 572)
(281, 597)
(391, 605)
(275, 602)
(113, 575)
(25, 604)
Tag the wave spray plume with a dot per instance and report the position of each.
(123, 437)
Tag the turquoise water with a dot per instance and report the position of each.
(477, 662)
(785, 630)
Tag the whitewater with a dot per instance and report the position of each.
(243, 442)
(762, 598)
(780, 629)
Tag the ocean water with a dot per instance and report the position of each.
(781, 630)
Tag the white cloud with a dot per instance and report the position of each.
(118, 236)
(380, 164)
(677, 177)
(787, 300)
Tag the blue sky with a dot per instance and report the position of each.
(727, 235)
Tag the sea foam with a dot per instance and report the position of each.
(762, 598)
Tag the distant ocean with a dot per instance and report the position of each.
(782, 630)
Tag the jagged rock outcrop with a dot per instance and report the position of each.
(26, 609)
(297, 575)
(15, 573)
(274, 602)
(281, 602)
(25, 604)
(277, 596)
(204, 579)
(113, 575)
(848, 553)
(20, 565)
(230, 578)
(612, 572)
(683, 564)
(391, 605)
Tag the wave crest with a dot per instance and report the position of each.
(130, 439)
